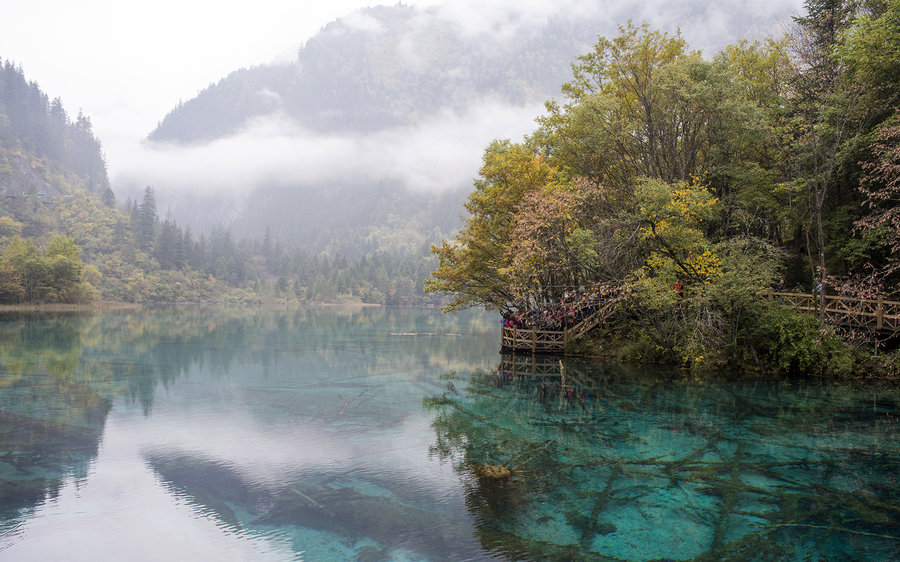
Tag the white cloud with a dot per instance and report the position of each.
(442, 152)
(362, 21)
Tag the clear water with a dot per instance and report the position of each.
(329, 434)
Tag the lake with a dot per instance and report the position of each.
(213, 433)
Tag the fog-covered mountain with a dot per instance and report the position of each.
(379, 111)
(385, 67)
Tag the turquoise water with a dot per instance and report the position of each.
(369, 434)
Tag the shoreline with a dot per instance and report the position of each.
(114, 305)
(58, 307)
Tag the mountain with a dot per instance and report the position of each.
(384, 67)
(382, 116)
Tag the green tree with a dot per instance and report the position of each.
(25, 259)
(63, 258)
(11, 289)
(147, 219)
(611, 130)
(870, 53)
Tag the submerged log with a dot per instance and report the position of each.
(494, 471)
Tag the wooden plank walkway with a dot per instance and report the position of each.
(874, 314)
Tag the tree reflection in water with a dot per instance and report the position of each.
(58, 379)
(168, 385)
(304, 427)
(642, 465)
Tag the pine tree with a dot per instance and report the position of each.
(145, 229)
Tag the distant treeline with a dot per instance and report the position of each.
(136, 257)
(263, 269)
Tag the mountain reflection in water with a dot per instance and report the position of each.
(384, 434)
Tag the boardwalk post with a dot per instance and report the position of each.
(533, 340)
(879, 313)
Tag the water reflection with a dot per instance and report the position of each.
(235, 416)
(51, 420)
(301, 434)
(637, 466)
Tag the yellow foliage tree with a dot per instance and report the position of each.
(475, 267)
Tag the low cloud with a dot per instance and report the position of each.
(442, 152)
(706, 25)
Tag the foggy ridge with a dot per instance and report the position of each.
(385, 67)
(380, 111)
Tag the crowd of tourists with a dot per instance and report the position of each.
(571, 308)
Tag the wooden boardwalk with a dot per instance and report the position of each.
(548, 341)
(874, 314)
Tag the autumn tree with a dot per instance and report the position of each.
(697, 295)
(553, 246)
(63, 258)
(476, 268)
(54, 275)
(27, 268)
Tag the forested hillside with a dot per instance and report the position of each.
(35, 124)
(692, 185)
(63, 238)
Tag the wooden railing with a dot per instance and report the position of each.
(876, 314)
(552, 341)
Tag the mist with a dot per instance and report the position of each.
(443, 151)
(387, 101)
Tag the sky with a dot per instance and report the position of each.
(126, 64)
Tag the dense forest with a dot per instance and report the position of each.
(692, 184)
(64, 239)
